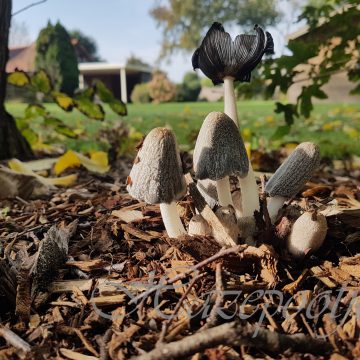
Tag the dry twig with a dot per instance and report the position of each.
(235, 334)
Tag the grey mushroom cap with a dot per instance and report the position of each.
(295, 171)
(156, 176)
(219, 149)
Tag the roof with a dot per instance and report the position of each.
(22, 58)
(305, 30)
(110, 68)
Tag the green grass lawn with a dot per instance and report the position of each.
(335, 127)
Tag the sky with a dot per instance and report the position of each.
(119, 27)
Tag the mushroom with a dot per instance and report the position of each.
(307, 234)
(199, 226)
(224, 60)
(220, 152)
(291, 176)
(157, 178)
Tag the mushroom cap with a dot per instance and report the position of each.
(219, 149)
(307, 234)
(156, 176)
(219, 56)
(295, 171)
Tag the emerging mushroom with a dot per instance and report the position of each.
(220, 152)
(291, 176)
(307, 234)
(199, 226)
(224, 60)
(157, 178)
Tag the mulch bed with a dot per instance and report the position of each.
(88, 273)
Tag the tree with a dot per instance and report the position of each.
(190, 87)
(85, 47)
(56, 55)
(161, 89)
(328, 47)
(12, 143)
(184, 21)
(134, 60)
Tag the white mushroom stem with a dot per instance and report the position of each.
(171, 219)
(274, 204)
(230, 99)
(224, 192)
(248, 186)
(249, 193)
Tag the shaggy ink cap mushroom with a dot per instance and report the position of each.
(157, 178)
(219, 56)
(292, 175)
(220, 152)
(224, 60)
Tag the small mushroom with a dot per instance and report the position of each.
(307, 234)
(220, 152)
(157, 178)
(199, 226)
(291, 176)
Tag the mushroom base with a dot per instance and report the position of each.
(274, 204)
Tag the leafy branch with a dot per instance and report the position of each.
(316, 56)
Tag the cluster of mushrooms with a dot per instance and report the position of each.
(157, 175)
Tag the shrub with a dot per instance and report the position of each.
(190, 88)
(56, 55)
(141, 94)
(161, 88)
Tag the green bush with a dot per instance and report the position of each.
(190, 88)
(141, 94)
(56, 55)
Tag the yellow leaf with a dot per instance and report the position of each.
(20, 167)
(246, 134)
(248, 149)
(68, 160)
(99, 166)
(63, 100)
(18, 78)
(100, 158)
(63, 180)
(98, 162)
(23, 168)
(42, 164)
(269, 119)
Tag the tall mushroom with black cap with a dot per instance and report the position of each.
(224, 60)
(220, 152)
(157, 177)
(291, 176)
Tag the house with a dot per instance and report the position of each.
(338, 88)
(119, 78)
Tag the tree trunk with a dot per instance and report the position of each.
(12, 143)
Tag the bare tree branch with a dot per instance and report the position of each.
(28, 7)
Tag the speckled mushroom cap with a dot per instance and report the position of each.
(219, 149)
(156, 176)
(295, 171)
